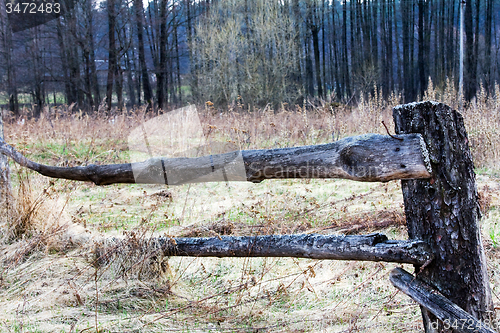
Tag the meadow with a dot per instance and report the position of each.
(50, 280)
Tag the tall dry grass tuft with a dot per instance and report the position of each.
(38, 221)
(27, 208)
(136, 255)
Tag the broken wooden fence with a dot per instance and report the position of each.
(430, 154)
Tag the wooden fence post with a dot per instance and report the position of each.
(444, 211)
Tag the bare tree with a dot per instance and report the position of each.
(88, 50)
(139, 19)
(259, 66)
(8, 66)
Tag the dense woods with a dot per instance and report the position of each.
(166, 53)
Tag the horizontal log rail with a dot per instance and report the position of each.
(373, 247)
(368, 158)
(450, 314)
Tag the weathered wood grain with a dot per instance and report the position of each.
(368, 158)
(373, 247)
(449, 314)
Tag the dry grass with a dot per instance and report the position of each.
(71, 260)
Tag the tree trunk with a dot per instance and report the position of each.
(444, 210)
(440, 74)
(400, 67)
(119, 83)
(112, 52)
(192, 61)
(470, 79)
(88, 86)
(94, 82)
(178, 85)
(64, 60)
(422, 53)
(451, 41)
(488, 41)
(162, 65)
(390, 68)
(476, 40)
(407, 50)
(317, 65)
(324, 24)
(130, 81)
(139, 17)
(346, 75)
(312, 22)
(299, 74)
(375, 6)
(38, 84)
(335, 44)
(73, 60)
(7, 46)
(411, 78)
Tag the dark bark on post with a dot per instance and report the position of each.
(444, 210)
(373, 247)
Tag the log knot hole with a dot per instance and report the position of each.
(355, 160)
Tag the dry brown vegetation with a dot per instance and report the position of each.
(70, 255)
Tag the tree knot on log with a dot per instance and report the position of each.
(92, 174)
(377, 238)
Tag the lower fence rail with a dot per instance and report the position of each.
(372, 247)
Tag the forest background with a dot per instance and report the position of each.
(168, 53)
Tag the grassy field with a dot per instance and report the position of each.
(51, 282)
